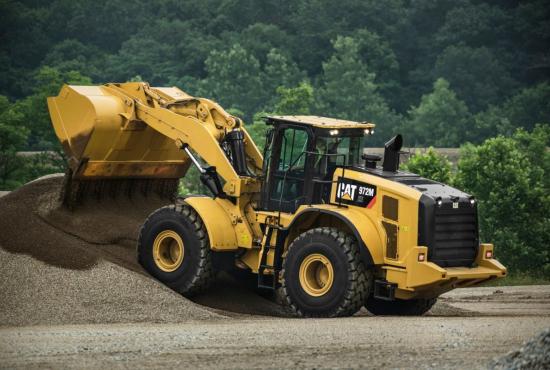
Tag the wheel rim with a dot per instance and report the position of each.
(168, 250)
(316, 275)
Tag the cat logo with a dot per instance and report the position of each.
(346, 191)
(355, 193)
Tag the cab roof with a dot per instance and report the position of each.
(320, 122)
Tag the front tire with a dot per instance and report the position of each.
(173, 247)
(400, 307)
(323, 275)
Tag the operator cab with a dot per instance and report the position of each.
(301, 155)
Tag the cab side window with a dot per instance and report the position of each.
(287, 189)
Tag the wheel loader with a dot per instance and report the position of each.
(326, 225)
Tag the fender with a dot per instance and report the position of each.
(364, 230)
(221, 231)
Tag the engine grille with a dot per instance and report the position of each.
(455, 239)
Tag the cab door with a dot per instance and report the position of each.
(286, 168)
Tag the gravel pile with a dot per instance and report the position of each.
(62, 267)
(534, 355)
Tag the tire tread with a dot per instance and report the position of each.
(204, 274)
(359, 276)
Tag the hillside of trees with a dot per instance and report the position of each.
(441, 72)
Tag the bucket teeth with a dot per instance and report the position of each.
(75, 191)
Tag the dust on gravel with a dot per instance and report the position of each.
(535, 355)
(61, 267)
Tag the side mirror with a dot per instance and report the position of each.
(371, 159)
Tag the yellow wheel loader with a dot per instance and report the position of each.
(319, 221)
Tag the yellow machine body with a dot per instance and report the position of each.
(134, 131)
(398, 264)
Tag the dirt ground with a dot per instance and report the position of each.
(72, 295)
(458, 341)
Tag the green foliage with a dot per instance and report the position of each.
(258, 130)
(292, 100)
(508, 176)
(16, 168)
(430, 165)
(380, 58)
(42, 163)
(366, 60)
(441, 119)
(191, 183)
(476, 74)
(72, 55)
(525, 109)
(348, 89)
(295, 100)
(519, 278)
(234, 78)
(529, 106)
(237, 79)
(12, 138)
(279, 72)
(474, 24)
(145, 57)
(33, 110)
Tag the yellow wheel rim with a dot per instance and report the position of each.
(316, 275)
(168, 250)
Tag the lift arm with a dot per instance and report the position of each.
(198, 124)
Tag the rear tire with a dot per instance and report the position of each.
(399, 307)
(173, 247)
(323, 275)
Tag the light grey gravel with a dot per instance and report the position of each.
(534, 355)
(272, 343)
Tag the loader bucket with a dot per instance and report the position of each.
(108, 148)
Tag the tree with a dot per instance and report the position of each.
(529, 106)
(430, 165)
(12, 138)
(279, 72)
(295, 100)
(378, 55)
(348, 89)
(475, 25)
(508, 178)
(531, 38)
(440, 120)
(72, 55)
(33, 109)
(234, 79)
(259, 39)
(477, 76)
(143, 56)
(525, 109)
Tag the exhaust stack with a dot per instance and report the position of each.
(392, 149)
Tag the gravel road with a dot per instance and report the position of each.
(471, 340)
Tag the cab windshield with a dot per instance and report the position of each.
(334, 151)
